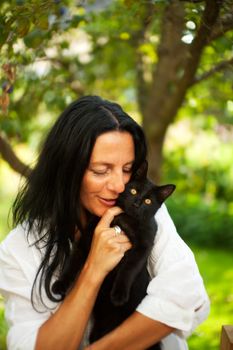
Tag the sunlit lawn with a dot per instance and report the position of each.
(217, 270)
(216, 267)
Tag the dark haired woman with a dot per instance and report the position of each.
(87, 158)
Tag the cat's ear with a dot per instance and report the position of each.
(141, 173)
(163, 192)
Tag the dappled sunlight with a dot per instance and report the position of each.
(202, 147)
(199, 162)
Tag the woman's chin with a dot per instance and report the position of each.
(101, 212)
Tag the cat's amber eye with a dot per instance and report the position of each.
(133, 191)
(148, 201)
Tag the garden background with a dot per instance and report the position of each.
(170, 65)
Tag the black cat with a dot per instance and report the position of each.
(125, 286)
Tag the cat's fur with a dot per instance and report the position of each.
(125, 286)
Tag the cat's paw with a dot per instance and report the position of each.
(119, 296)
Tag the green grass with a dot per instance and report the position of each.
(216, 267)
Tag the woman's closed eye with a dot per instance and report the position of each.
(100, 171)
(127, 170)
(108, 170)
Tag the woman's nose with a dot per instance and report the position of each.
(116, 183)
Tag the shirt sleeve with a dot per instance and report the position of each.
(176, 295)
(18, 266)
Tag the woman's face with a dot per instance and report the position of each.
(109, 170)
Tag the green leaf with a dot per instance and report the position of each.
(42, 22)
(34, 38)
(22, 27)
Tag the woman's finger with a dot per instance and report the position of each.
(108, 216)
(126, 246)
(121, 238)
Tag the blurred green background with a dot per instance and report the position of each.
(170, 65)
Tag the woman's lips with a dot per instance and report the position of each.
(107, 202)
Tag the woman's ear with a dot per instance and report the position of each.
(141, 173)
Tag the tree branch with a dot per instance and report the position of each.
(223, 26)
(219, 67)
(209, 18)
(172, 53)
(11, 158)
(192, 59)
(138, 38)
(193, 1)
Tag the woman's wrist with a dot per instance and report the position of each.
(92, 274)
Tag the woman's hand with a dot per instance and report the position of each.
(107, 248)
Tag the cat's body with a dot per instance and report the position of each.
(125, 286)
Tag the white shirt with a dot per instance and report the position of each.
(175, 296)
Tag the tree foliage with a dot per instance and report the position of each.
(163, 58)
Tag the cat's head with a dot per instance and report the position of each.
(142, 198)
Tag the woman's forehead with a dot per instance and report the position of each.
(113, 145)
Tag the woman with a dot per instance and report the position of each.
(88, 157)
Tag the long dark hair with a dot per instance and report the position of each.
(49, 202)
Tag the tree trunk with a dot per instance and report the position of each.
(155, 154)
(157, 115)
(173, 75)
(10, 157)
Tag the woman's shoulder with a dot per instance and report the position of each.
(165, 225)
(169, 246)
(17, 250)
(163, 217)
(17, 232)
(16, 240)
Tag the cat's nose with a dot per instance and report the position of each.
(136, 204)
